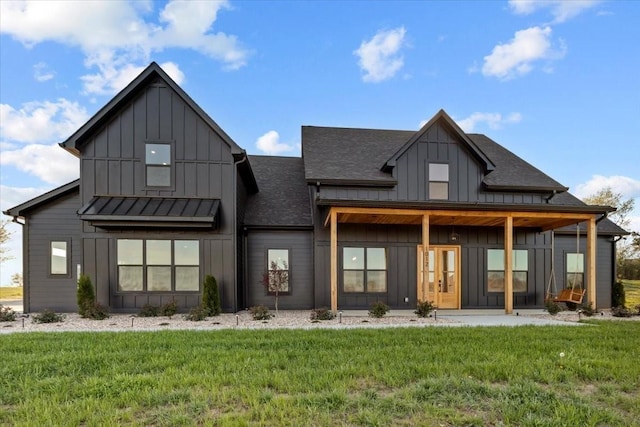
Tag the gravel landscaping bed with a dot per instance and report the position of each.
(241, 320)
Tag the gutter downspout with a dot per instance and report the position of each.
(26, 307)
(235, 231)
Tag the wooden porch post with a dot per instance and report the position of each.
(591, 261)
(422, 294)
(508, 265)
(334, 260)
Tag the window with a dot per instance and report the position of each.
(495, 270)
(575, 271)
(438, 181)
(278, 266)
(158, 265)
(59, 259)
(364, 270)
(158, 165)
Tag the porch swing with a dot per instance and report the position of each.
(570, 295)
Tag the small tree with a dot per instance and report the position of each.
(85, 296)
(16, 280)
(276, 280)
(211, 296)
(5, 236)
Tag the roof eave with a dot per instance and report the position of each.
(19, 211)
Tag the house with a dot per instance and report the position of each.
(166, 197)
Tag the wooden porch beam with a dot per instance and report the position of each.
(508, 265)
(334, 260)
(591, 261)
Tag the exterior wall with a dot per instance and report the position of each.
(300, 245)
(113, 163)
(56, 221)
(604, 264)
(100, 263)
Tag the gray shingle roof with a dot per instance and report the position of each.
(347, 156)
(283, 199)
(343, 154)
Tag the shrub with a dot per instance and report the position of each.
(618, 297)
(149, 310)
(211, 296)
(588, 310)
(169, 309)
(322, 314)
(260, 312)
(552, 307)
(85, 295)
(424, 308)
(621, 312)
(7, 314)
(378, 309)
(48, 316)
(197, 314)
(97, 312)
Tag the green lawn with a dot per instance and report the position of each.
(10, 293)
(632, 292)
(413, 376)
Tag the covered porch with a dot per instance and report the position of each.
(508, 220)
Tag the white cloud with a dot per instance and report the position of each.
(379, 57)
(41, 121)
(516, 57)
(113, 77)
(117, 37)
(50, 163)
(269, 143)
(562, 10)
(493, 120)
(42, 73)
(628, 187)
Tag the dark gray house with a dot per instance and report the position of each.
(166, 197)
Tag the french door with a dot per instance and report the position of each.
(441, 283)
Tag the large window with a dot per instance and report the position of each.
(158, 265)
(364, 270)
(278, 266)
(438, 181)
(495, 269)
(59, 258)
(158, 165)
(575, 271)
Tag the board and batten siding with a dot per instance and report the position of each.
(100, 263)
(401, 242)
(300, 246)
(56, 221)
(113, 158)
(113, 163)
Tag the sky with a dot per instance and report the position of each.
(556, 82)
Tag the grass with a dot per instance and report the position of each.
(10, 292)
(367, 377)
(632, 292)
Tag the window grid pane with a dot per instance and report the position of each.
(158, 278)
(438, 172)
(129, 252)
(187, 252)
(158, 252)
(575, 263)
(280, 257)
(354, 281)
(158, 176)
(187, 278)
(353, 259)
(129, 278)
(158, 154)
(439, 190)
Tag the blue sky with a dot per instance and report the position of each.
(557, 82)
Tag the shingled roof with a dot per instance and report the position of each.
(353, 157)
(283, 199)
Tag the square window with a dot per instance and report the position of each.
(158, 176)
(158, 154)
(187, 278)
(353, 259)
(130, 278)
(354, 281)
(438, 172)
(187, 252)
(439, 190)
(158, 278)
(376, 281)
(129, 252)
(364, 270)
(158, 252)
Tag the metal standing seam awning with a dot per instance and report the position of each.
(509, 219)
(166, 212)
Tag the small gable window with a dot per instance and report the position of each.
(438, 181)
(158, 165)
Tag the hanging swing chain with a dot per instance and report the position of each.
(575, 271)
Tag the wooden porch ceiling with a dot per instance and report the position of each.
(541, 220)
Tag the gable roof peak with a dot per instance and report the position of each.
(441, 117)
